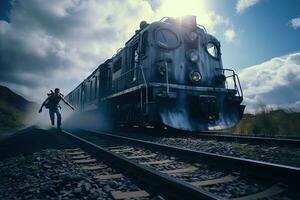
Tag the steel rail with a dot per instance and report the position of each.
(246, 139)
(162, 183)
(247, 167)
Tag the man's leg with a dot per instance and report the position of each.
(58, 115)
(51, 113)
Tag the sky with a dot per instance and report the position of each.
(48, 44)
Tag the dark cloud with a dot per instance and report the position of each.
(58, 43)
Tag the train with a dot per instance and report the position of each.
(168, 74)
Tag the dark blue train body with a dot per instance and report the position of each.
(169, 73)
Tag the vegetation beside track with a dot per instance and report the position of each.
(13, 110)
(270, 123)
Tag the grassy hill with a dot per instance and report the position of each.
(270, 123)
(13, 109)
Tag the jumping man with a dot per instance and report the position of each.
(52, 103)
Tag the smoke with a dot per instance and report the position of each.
(88, 120)
(42, 120)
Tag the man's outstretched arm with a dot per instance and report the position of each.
(67, 103)
(43, 104)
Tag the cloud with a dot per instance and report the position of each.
(229, 35)
(242, 5)
(295, 23)
(274, 83)
(59, 43)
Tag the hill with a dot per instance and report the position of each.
(270, 123)
(13, 109)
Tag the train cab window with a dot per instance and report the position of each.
(78, 97)
(96, 86)
(134, 62)
(144, 43)
(91, 90)
(166, 39)
(117, 65)
(84, 94)
(104, 80)
(213, 50)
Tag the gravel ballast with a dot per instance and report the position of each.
(268, 153)
(274, 154)
(47, 174)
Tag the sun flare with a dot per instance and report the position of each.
(199, 8)
(178, 8)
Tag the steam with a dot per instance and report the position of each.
(42, 120)
(89, 120)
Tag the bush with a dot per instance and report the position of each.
(270, 123)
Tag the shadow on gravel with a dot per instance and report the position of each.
(31, 140)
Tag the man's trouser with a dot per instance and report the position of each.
(58, 115)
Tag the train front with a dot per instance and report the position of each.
(193, 90)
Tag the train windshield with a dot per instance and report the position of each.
(166, 39)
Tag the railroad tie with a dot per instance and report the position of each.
(85, 161)
(94, 167)
(142, 156)
(125, 195)
(79, 157)
(109, 176)
(121, 150)
(275, 189)
(75, 153)
(157, 162)
(115, 147)
(71, 150)
(181, 170)
(224, 179)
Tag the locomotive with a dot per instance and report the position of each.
(169, 73)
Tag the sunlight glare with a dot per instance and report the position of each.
(179, 8)
(199, 8)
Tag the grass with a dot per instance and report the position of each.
(270, 123)
(10, 117)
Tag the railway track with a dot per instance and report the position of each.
(247, 139)
(178, 173)
(259, 140)
(106, 176)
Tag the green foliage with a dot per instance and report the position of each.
(13, 109)
(10, 117)
(270, 123)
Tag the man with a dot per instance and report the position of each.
(52, 103)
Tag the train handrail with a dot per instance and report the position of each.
(164, 19)
(167, 76)
(239, 84)
(140, 68)
(146, 87)
(116, 81)
(202, 27)
(236, 80)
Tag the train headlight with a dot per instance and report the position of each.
(193, 55)
(193, 36)
(195, 76)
